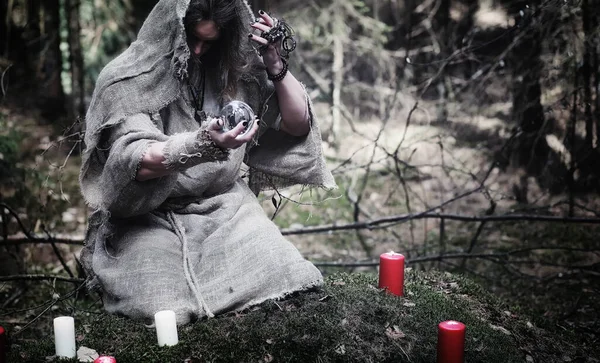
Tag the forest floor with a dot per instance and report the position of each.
(347, 320)
(412, 167)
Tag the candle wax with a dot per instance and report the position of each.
(105, 359)
(166, 327)
(64, 337)
(451, 342)
(2, 345)
(391, 273)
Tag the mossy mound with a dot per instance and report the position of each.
(348, 320)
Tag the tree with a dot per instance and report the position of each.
(49, 62)
(530, 150)
(36, 24)
(75, 58)
(442, 35)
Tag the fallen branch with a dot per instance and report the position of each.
(40, 277)
(13, 241)
(386, 221)
(371, 224)
(495, 257)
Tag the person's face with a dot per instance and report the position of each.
(201, 37)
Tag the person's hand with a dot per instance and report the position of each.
(272, 52)
(233, 138)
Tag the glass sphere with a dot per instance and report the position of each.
(235, 112)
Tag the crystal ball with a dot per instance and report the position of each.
(235, 112)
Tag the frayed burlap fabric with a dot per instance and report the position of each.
(195, 241)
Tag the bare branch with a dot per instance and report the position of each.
(51, 303)
(11, 241)
(391, 220)
(494, 257)
(39, 277)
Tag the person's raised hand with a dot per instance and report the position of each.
(233, 138)
(271, 52)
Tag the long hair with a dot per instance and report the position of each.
(229, 55)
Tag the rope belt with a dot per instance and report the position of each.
(190, 277)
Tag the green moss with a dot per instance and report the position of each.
(348, 320)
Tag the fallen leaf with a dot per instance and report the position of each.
(269, 341)
(268, 358)
(409, 304)
(502, 329)
(394, 332)
(85, 354)
(341, 349)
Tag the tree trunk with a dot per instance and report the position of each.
(4, 28)
(570, 142)
(596, 66)
(337, 69)
(464, 26)
(75, 59)
(526, 66)
(408, 72)
(50, 89)
(442, 32)
(32, 36)
(586, 72)
(441, 25)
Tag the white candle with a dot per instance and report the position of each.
(166, 327)
(64, 336)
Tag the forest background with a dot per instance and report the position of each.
(462, 133)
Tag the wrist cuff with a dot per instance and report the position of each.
(192, 148)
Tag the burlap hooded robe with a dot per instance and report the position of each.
(196, 242)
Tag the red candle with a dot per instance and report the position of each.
(105, 359)
(391, 273)
(2, 345)
(451, 342)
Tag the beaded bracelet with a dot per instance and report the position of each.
(281, 75)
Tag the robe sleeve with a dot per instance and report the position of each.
(279, 160)
(110, 185)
